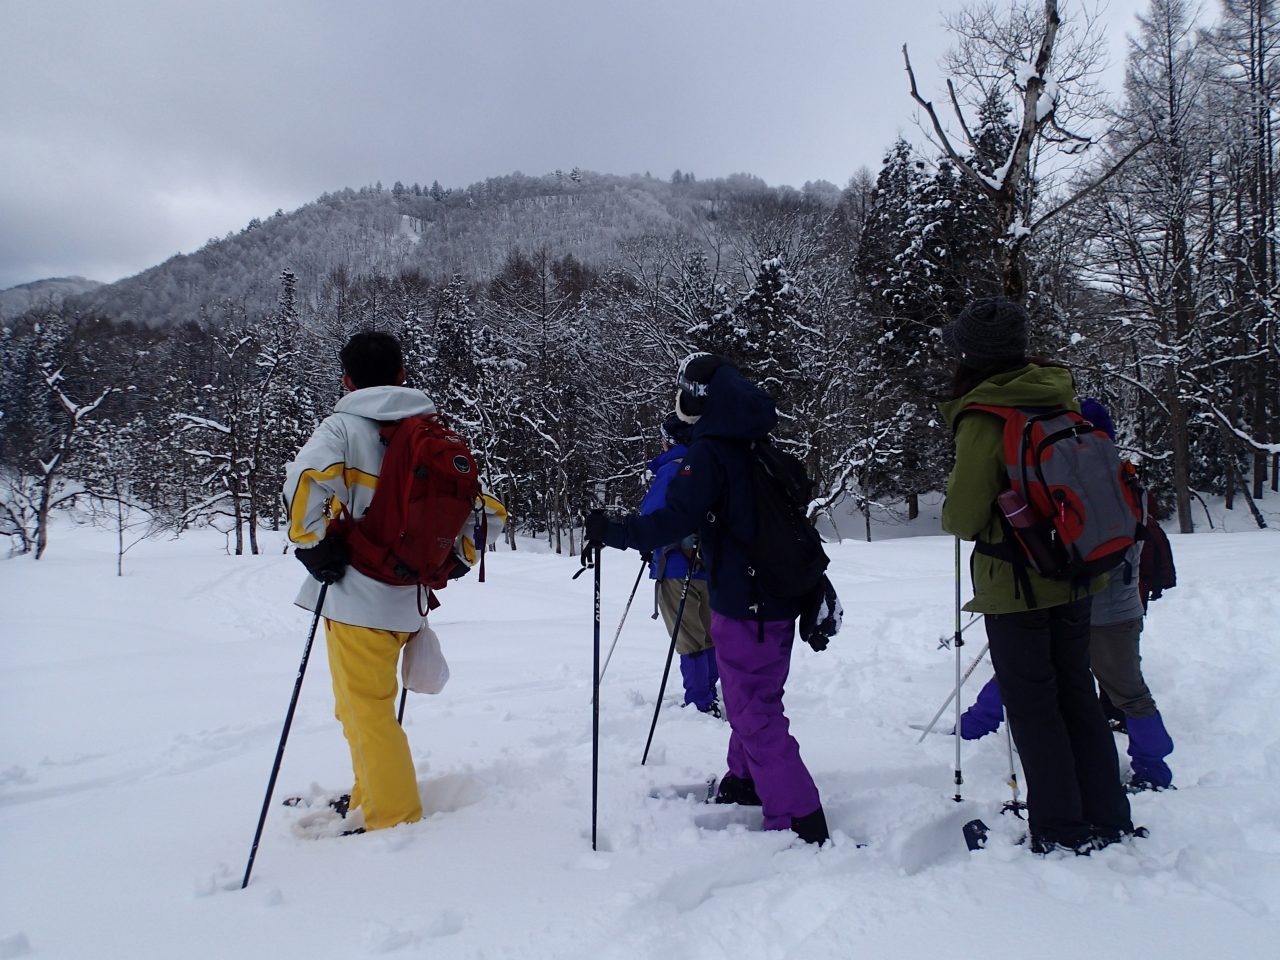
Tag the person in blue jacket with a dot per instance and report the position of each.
(753, 630)
(668, 569)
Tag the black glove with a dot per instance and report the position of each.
(597, 526)
(327, 561)
(821, 615)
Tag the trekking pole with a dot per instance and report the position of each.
(625, 611)
(587, 561)
(1014, 806)
(595, 708)
(404, 695)
(946, 703)
(284, 735)
(671, 650)
(959, 642)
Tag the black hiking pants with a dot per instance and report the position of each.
(1068, 754)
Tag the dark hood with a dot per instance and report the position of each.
(736, 409)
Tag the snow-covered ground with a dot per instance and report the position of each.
(140, 716)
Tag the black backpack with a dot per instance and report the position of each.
(787, 553)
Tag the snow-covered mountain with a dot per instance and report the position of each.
(435, 233)
(39, 293)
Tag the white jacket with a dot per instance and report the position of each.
(341, 461)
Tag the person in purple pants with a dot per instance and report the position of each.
(753, 630)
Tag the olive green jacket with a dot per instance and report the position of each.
(980, 474)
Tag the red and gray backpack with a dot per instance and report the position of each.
(1083, 510)
(428, 487)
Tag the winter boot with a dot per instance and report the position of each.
(689, 676)
(713, 678)
(985, 715)
(1149, 744)
(699, 687)
(737, 790)
(812, 827)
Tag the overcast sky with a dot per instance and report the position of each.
(131, 130)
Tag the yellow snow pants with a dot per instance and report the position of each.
(363, 663)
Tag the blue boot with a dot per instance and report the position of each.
(1149, 744)
(699, 688)
(985, 715)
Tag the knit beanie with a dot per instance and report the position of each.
(1093, 411)
(694, 382)
(987, 332)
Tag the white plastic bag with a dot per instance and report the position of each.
(422, 666)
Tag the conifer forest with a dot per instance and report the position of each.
(546, 315)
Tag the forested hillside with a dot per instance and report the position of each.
(546, 315)
(431, 231)
(16, 301)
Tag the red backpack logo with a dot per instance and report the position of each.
(1071, 505)
(427, 488)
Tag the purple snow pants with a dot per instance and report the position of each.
(761, 749)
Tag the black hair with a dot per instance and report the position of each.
(372, 358)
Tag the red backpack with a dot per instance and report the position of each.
(427, 488)
(1071, 506)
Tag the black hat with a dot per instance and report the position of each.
(694, 381)
(987, 332)
(675, 432)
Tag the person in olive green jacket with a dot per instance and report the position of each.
(1039, 638)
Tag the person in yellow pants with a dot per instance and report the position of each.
(367, 622)
(363, 663)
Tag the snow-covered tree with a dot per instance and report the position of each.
(1024, 53)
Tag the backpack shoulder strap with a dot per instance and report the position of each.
(1000, 413)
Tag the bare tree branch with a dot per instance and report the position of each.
(1081, 194)
(943, 139)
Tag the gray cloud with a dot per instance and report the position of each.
(137, 129)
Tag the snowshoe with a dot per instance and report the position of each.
(1043, 846)
(704, 792)
(339, 805)
(1143, 785)
(975, 835)
(1104, 838)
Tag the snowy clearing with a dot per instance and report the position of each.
(141, 716)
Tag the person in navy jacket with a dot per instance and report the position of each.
(668, 569)
(753, 630)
